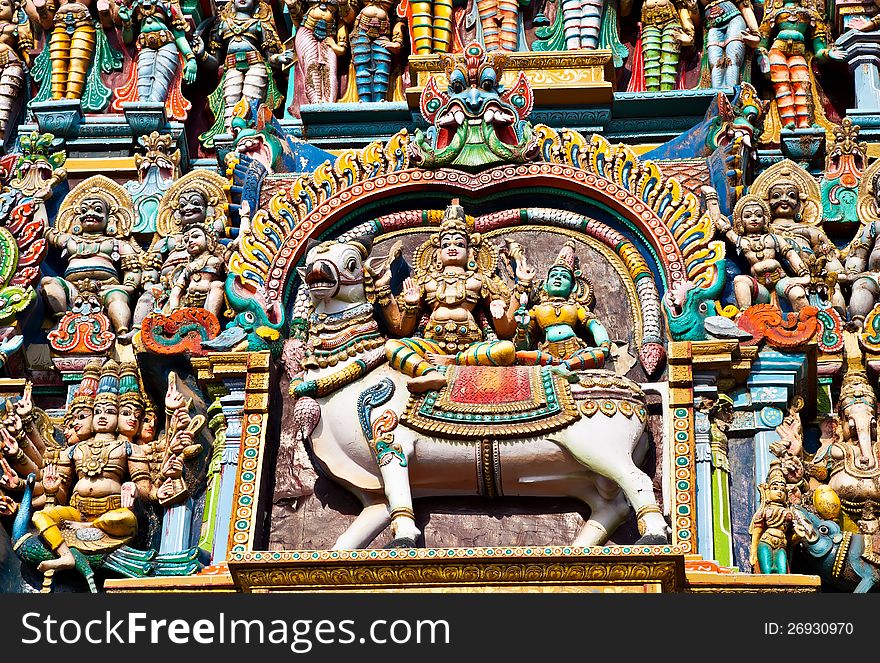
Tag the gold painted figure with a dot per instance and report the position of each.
(109, 474)
(454, 274)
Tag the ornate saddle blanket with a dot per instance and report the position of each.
(91, 539)
(496, 402)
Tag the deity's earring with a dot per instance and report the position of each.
(798, 216)
(111, 228)
(76, 229)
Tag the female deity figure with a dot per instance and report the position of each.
(730, 28)
(454, 273)
(666, 27)
(245, 40)
(772, 526)
(15, 40)
(158, 28)
(199, 284)
(763, 250)
(564, 305)
(373, 45)
(94, 230)
(78, 52)
(789, 29)
(320, 41)
(430, 24)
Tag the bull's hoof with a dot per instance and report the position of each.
(402, 542)
(653, 540)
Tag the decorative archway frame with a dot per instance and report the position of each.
(660, 210)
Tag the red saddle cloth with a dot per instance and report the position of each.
(493, 402)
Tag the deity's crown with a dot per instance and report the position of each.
(455, 220)
(775, 473)
(108, 386)
(567, 258)
(856, 388)
(88, 388)
(745, 201)
(129, 387)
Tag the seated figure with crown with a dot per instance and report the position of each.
(564, 300)
(102, 473)
(454, 274)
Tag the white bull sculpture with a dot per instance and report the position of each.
(594, 459)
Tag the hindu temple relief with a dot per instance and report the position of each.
(313, 294)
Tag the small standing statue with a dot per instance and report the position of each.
(245, 41)
(666, 27)
(790, 29)
(763, 250)
(77, 54)
(158, 28)
(454, 273)
(15, 40)
(773, 525)
(730, 28)
(565, 298)
(373, 45)
(430, 24)
(500, 22)
(94, 230)
(320, 41)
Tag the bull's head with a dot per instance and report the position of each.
(334, 273)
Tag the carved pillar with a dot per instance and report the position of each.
(863, 55)
(703, 457)
(233, 412)
(217, 424)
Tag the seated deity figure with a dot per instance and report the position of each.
(791, 192)
(863, 254)
(200, 282)
(564, 305)
(94, 230)
(196, 199)
(108, 472)
(763, 250)
(454, 274)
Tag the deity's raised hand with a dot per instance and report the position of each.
(411, 293)
(126, 496)
(173, 398)
(25, 405)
